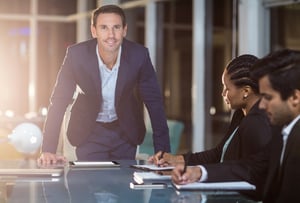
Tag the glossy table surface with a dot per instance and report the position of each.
(109, 185)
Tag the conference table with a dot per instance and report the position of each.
(97, 185)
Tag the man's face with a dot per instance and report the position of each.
(109, 32)
(278, 111)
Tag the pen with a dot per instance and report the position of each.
(186, 161)
(140, 168)
(161, 156)
(184, 169)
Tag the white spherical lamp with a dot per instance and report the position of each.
(26, 138)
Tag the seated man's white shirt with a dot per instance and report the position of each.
(204, 174)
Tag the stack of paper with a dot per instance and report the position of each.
(235, 185)
(152, 167)
(141, 177)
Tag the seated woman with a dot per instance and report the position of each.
(249, 130)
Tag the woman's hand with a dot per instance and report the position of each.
(165, 159)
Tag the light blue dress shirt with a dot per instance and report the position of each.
(109, 77)
(285, 134)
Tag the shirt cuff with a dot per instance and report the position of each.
(204, 174)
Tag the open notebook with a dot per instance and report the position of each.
(25, 168)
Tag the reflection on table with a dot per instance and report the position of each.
(95, 185)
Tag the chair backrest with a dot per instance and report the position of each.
(175, 131)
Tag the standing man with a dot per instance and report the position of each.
(275, 171)
(106, 80)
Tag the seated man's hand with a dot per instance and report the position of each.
(192, 174)
(47, 159)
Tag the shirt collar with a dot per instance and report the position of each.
(117, 64)
(287, 129)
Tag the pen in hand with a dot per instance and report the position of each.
(160, 157)
(186, 163)
(184, 168)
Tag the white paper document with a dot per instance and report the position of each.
(147, 186)
(152, 167)
(140, 177)
(55, 172)
(28, 169)
(98, 164)
(235, 185)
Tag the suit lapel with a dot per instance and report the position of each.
(93, 66)
(123, 75)
(274, 161)
(291, 140)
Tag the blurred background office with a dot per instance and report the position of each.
(190, 42)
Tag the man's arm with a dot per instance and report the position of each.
(152, 97)
(61, 97)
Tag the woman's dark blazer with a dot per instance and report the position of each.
(252, 135)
